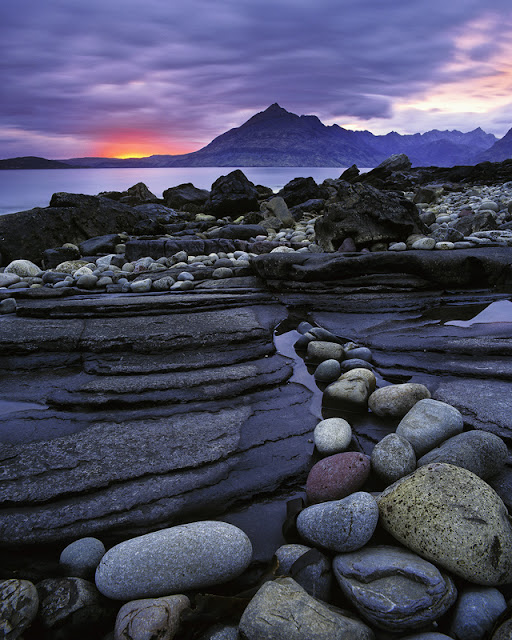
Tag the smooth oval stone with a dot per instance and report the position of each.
(355, 363)
(150, 618)
(141, 286)
(302, 343)
(282, 610)
(340, 525)
(7, 279)
(475, 613)
(351, 391)
(222, 272)
(23, 268)
(19, 602)
(189, 556)
(332, 435)
(8, 305)
(185, 276)
(396, 400)
(453, 518)
(361, 353)
(304, 327)
(429, 423)
(393, 588)
(323, 334)
(312, 572)
(80, 558)
(319, 350)
(87, 281)
(328, 371)
(337, 476)
(424, 244)
(480, 452)
(393, 458)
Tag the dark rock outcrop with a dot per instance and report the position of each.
(185, 196)
(70, 217)
(232, 195)
(366, 215)
(299, 190)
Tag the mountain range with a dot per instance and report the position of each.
(276, 137)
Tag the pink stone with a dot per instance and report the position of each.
(337, 476)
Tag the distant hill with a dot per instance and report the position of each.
(276, 137)
(500, 150)
(33, 162)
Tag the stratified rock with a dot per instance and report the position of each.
(366, 215)
(313, 572)
(18, 607)
(396, 400)
(454, 519)
(282, 610)
(233, 194)
(80, 558)
(184, 195)
(475, 613)
(393, 458)
(189, 556)
(150, 618)
(337, 476)
(428, 423)
(482, 453)
(393, 588)
(340, 525)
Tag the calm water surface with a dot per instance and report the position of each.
(20, 190)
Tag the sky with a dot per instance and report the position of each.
(137, 77)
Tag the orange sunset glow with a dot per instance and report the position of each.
(135, 144)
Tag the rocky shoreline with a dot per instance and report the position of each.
(152, 408)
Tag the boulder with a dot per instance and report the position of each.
(19, 602)
(482, 453)
(428, 423)
(337, 476)
(394, 589)
(395, 400)
(277, 208)
(150, 618)
(185, 195)
(100, 244)
(232, 195)
(137, 194)
(188, 556)
(282, 610)
(453, 518)
(340, 525)
(300, 190)
(366, 215)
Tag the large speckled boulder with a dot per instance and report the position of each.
(429, 423)
(396, 400)
(189, 556)
(393, 588)
(340, 525)
(18, 607)
(453, 518)
(282, 610)
(480, 452)
(337, 476)
(150, 618)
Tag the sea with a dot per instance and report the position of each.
(25, 189)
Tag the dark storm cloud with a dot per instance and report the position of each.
(191, 69)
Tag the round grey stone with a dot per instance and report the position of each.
(393, 458)
(184, 285)
(320, 350)
(304, 327)
(332, 435)
(150, 618)
(189, 556)
(19, 602)
(328, 371)
(8, 305)
(355, 363)
(361, 353)
(7, 279)
(80, 558)
(324, 334)
(425, 244)
(453, 518)
(23, 268)
(429, 423)
(141, 286)
(340, 525)
(313, 572)
(393, 588)
(185, 275)
(396, 400)
(480, 452)
(222, 272)
(87, 281)
(163, 284)
(475, 613)
(351, 391)
(282, 610)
